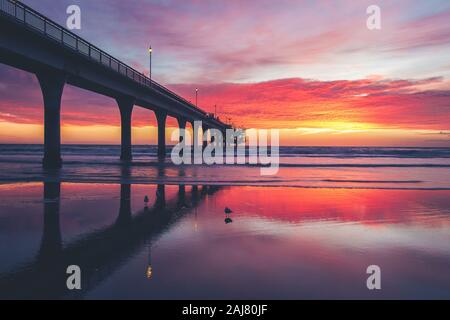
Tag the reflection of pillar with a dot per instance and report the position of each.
(160, 196)
(51, 243)
(125, 205)
(126, 108)
(181, 196)
(161, 119)
(52, 86)
(212, 189)
(194, 195)
(161, 170)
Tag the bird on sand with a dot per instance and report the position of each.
(228, 210)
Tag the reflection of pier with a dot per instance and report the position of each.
(99, 253)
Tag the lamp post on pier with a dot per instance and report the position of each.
(196, 97)
(150, 50)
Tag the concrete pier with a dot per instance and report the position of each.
(161, 119)
(52, 86)
(205, 142)
(77, 62)
(126, 108)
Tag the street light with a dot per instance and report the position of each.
(196, 97)
(150, 50)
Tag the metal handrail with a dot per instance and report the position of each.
(54, 31)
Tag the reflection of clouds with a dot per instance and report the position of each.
(360, 236)
(358, 219)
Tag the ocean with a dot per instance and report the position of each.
(311, 231)
(331, 167)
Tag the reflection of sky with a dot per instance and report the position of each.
(283, 242)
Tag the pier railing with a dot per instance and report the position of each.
(51, 30)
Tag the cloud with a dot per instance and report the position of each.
(243, 41)
(296, 102)
(285, 103)
(227, 48)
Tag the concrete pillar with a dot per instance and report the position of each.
(52, 86)
(161, 118)
(224, 139)
(212, 141)
(194, 135)
(126, 108)
(181, 126)
(205, 143)
(196, 148)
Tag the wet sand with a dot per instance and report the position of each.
(283, 242)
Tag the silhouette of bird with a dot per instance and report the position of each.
(146, 200)
(228, 220)
(228, 210)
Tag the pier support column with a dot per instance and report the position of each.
(224, 139)
(196, 147)
(181, 126)
(182, 137)
(161, 118)
(205, 142)
(126, 108)
(52, 86)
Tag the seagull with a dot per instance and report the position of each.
(228, 210)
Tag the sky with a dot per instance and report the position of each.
(311, 69)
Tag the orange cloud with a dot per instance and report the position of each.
(345, 105)
(371, 111)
